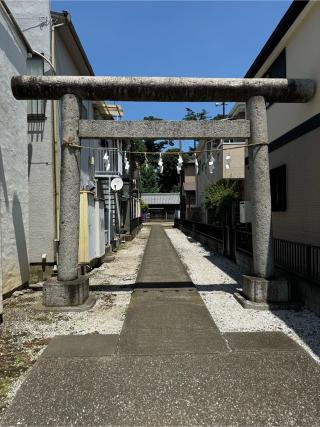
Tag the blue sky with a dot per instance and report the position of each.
(172, 38)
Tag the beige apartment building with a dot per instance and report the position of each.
(294, 129)
(229, 162)
(292, 51)
(188, 191)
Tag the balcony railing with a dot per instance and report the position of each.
(108, 162)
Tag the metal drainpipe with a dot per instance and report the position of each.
(130, 190)
(109, 212)
(55, 149)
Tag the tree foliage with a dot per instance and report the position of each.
(169, 180)
(144, 206)
(219, 195)
(151, 180)
(192, 115)
(218, 117)
(148, 163)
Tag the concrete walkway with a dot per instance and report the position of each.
(166, 314)
(169, 366)
(161, 266)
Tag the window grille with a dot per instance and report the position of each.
(36, 108)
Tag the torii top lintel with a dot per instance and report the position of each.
(163, 89)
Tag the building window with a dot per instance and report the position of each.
(278, 181)
(36, 107)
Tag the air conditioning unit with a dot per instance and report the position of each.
(245, 212)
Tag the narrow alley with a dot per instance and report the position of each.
(159, 213)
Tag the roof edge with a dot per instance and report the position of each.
(285, 23)
(161, 194)
(16, 26)
(67, 16)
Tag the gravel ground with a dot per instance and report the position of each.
(217, 278)
(123, 270)
(26, 331)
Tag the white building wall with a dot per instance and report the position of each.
(14, 228)
(34, 19)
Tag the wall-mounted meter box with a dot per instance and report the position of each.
(245, 212)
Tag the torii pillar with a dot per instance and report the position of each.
(261, 287)
(70, 289)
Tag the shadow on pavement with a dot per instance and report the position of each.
(304, 323)
(219, 287)
(162, 285)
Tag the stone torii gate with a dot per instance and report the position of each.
(70, 289)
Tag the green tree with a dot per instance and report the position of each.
(149, 179)
(169, 180)
(144, 206)
(218, 117)
(203, 115)
(220, 195)
(192, 115)
(149, 175)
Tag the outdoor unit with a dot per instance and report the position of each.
(245, 212)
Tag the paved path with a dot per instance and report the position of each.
(169, 366)
(166, 314)
(161, 266)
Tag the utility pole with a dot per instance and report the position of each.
(223, 105)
